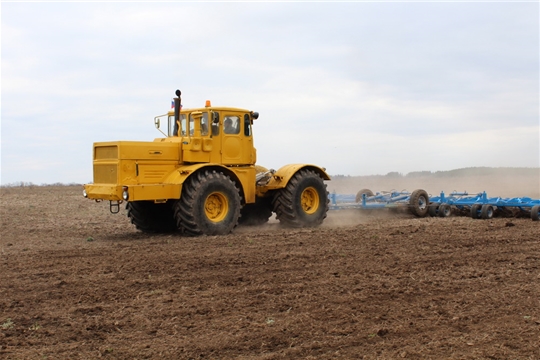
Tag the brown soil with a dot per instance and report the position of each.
(78, 282)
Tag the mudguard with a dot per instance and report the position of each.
(282, 176)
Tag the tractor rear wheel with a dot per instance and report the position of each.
(303, 202)
(209, 205)
(419, 203)
(256, 214)
(150, 217)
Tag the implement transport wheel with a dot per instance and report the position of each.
(475, 211)
(303, 202)
(486, 212)
(150, 217)
(535, 213)
(363, 191)
(419, 203)
(257, 213)
(209, 204)
(433, 209)
(444, 210)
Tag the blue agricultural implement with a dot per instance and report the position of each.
(416, 202)
(480, 206)
(420, 204)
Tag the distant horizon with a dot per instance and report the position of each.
(390, 174)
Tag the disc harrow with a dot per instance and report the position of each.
(420, 204)
(416, 202)
(481, 206)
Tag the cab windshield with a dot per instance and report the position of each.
(204, 125)
(175, 127)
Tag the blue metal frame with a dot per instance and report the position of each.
(462, 199)
(459, 200)
(391, 199)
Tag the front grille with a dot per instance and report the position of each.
(106, 152)
(105, 173)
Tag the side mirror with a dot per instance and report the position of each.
(156, 122)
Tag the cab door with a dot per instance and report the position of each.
(237, 139)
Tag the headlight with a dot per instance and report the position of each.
(84, 193)
(125, 193)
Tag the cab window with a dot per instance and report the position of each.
(173, 126)
(203, 125)
(231, 125)
(215, 123)
(183, 124)
(191, 125)
(247, 125)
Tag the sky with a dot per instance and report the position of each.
(359, 88)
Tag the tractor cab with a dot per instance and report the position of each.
(221, 135)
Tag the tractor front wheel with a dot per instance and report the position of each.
(209, 205)
(303, 202)
(150, 217)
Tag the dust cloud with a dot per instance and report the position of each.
(502, 182)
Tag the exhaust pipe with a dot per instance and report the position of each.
(177, 106)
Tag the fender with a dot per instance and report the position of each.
(170, 188)
(281, 177)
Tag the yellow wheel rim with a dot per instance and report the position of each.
(310, 200)
(216, 207)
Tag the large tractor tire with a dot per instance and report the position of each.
(150, 217)
(303, 202)
(256, 214)
(209, 205)
(419, 203)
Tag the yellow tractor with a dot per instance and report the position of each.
(201, 178)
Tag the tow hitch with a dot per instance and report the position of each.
(114, 206)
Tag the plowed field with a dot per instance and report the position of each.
(77, 282)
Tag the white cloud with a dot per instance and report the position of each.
(360, 88)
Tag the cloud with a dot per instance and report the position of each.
(360, 88)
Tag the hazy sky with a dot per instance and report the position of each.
(358, 88)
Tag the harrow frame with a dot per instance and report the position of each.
(419, 203)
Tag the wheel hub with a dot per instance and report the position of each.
(216, 207)
(422, 203)
(310, 200)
